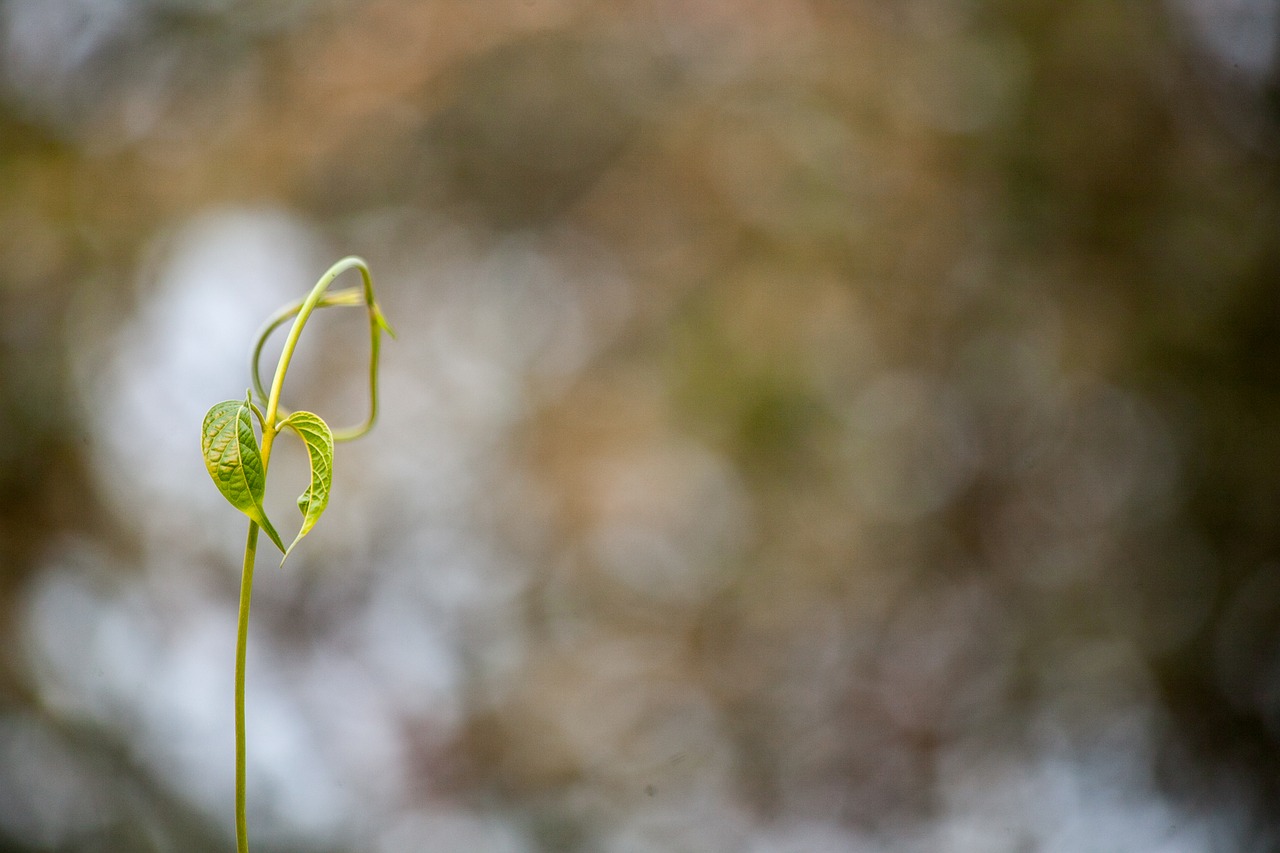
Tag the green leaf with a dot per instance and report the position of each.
(231, 454)
(318, 438)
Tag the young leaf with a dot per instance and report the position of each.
(318, 438)
(231, 454)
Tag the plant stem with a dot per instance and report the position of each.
(251, 542)
(242, 644)
(316, 298)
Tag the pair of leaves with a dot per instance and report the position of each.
(234, 460)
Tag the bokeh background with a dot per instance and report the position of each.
(816, 426)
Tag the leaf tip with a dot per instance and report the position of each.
(272, 535)
(381, 320)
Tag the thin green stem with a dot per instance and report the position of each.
(242, 645)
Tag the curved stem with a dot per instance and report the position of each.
(349, 296)
(302, 309)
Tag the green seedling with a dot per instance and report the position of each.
(238, 463)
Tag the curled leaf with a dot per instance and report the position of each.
(318, 438)
(234, 461)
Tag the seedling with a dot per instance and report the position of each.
(238, 463)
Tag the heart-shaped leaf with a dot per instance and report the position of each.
(318, 438)
(231, 454)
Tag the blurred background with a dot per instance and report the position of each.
(817, 426)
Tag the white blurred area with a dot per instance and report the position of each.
(1243, 35)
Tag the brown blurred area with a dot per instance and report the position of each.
(815, 425)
